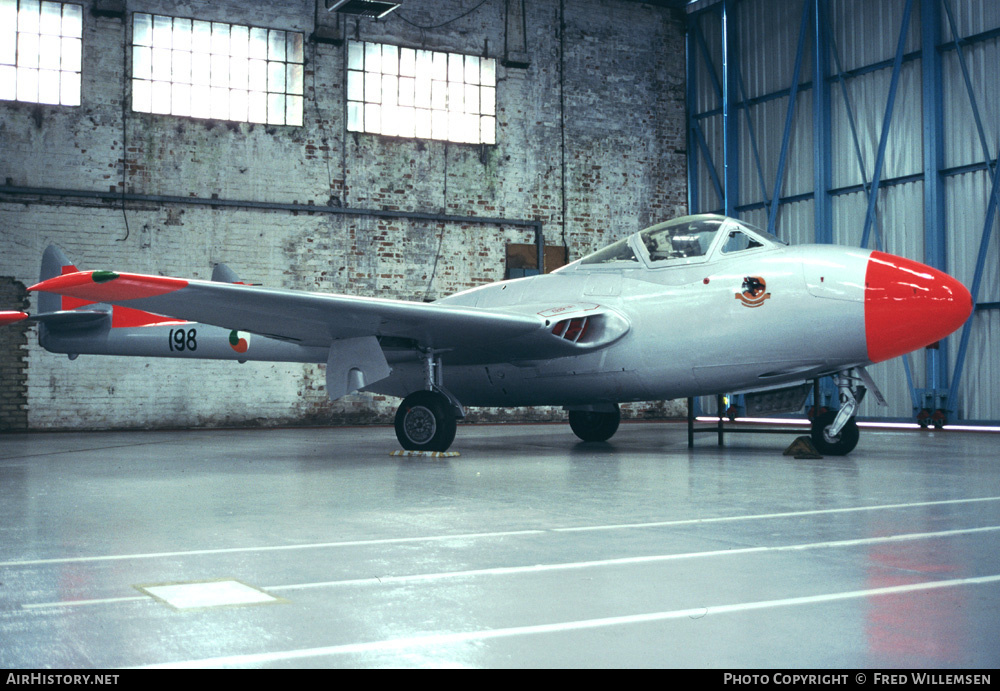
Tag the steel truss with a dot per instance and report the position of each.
(718, 21)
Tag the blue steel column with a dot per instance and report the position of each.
(822, 149)
(822, 159)
(936, 381)
(692, 146)
(991, 209)
(696, 44)
(698, 38)
(730, 114)
(730, 130)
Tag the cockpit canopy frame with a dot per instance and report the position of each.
(683, 241)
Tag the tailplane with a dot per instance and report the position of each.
(78, 326)
(58, 313)
(54, 311)
(65, 312)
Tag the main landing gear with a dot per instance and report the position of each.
(426, 420)
(595, 424)
(835, 433)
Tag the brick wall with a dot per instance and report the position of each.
(594, 126)
(13, 360)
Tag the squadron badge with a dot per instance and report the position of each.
(754, 292)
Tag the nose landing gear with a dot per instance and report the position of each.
(834, 443)
(835, 433)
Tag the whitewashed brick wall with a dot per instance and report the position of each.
(623, 91)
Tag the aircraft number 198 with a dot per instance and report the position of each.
(181, 340)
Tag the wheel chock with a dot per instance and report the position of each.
(802, 447)
(426, 454)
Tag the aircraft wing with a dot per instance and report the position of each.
(309, 319)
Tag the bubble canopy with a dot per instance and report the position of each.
(684, 240)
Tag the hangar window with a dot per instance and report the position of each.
(41, 49)
(404, 92)
(205, 69)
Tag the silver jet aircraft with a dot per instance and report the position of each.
(695, 306)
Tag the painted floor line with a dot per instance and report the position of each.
(383, 541)
(18, 457)
(786, 514)
(274, 548)
(567, 566)
(84, 603)
(629, 561)
(473, 536)
(470, 636)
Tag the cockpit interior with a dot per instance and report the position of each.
(685, 240)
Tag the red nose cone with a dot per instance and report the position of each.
(909, 305)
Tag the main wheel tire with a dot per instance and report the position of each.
(842, 444)
(592, 426)
(425, 421)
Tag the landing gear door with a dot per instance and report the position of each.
(354, 363)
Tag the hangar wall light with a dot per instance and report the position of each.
(363, 8)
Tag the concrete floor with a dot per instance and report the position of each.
(529, 550)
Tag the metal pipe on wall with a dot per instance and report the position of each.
(117, 198)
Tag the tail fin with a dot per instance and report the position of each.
(52, 308)
(223, 274)
(54, 263)
(59, 315)
(62, 312)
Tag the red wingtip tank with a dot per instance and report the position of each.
(102, 286)
(12, 317)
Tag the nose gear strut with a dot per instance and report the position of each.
(835, 433)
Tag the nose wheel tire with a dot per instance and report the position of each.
(593, 426)
(839, 445)
(425, 421)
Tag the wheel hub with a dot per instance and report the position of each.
(830, 438)
(419, 425)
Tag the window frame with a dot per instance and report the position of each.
(209, 70)
(41, 65)
(430, 93)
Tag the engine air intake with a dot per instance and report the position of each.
(572, 330)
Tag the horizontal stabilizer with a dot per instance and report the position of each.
(72, 319)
